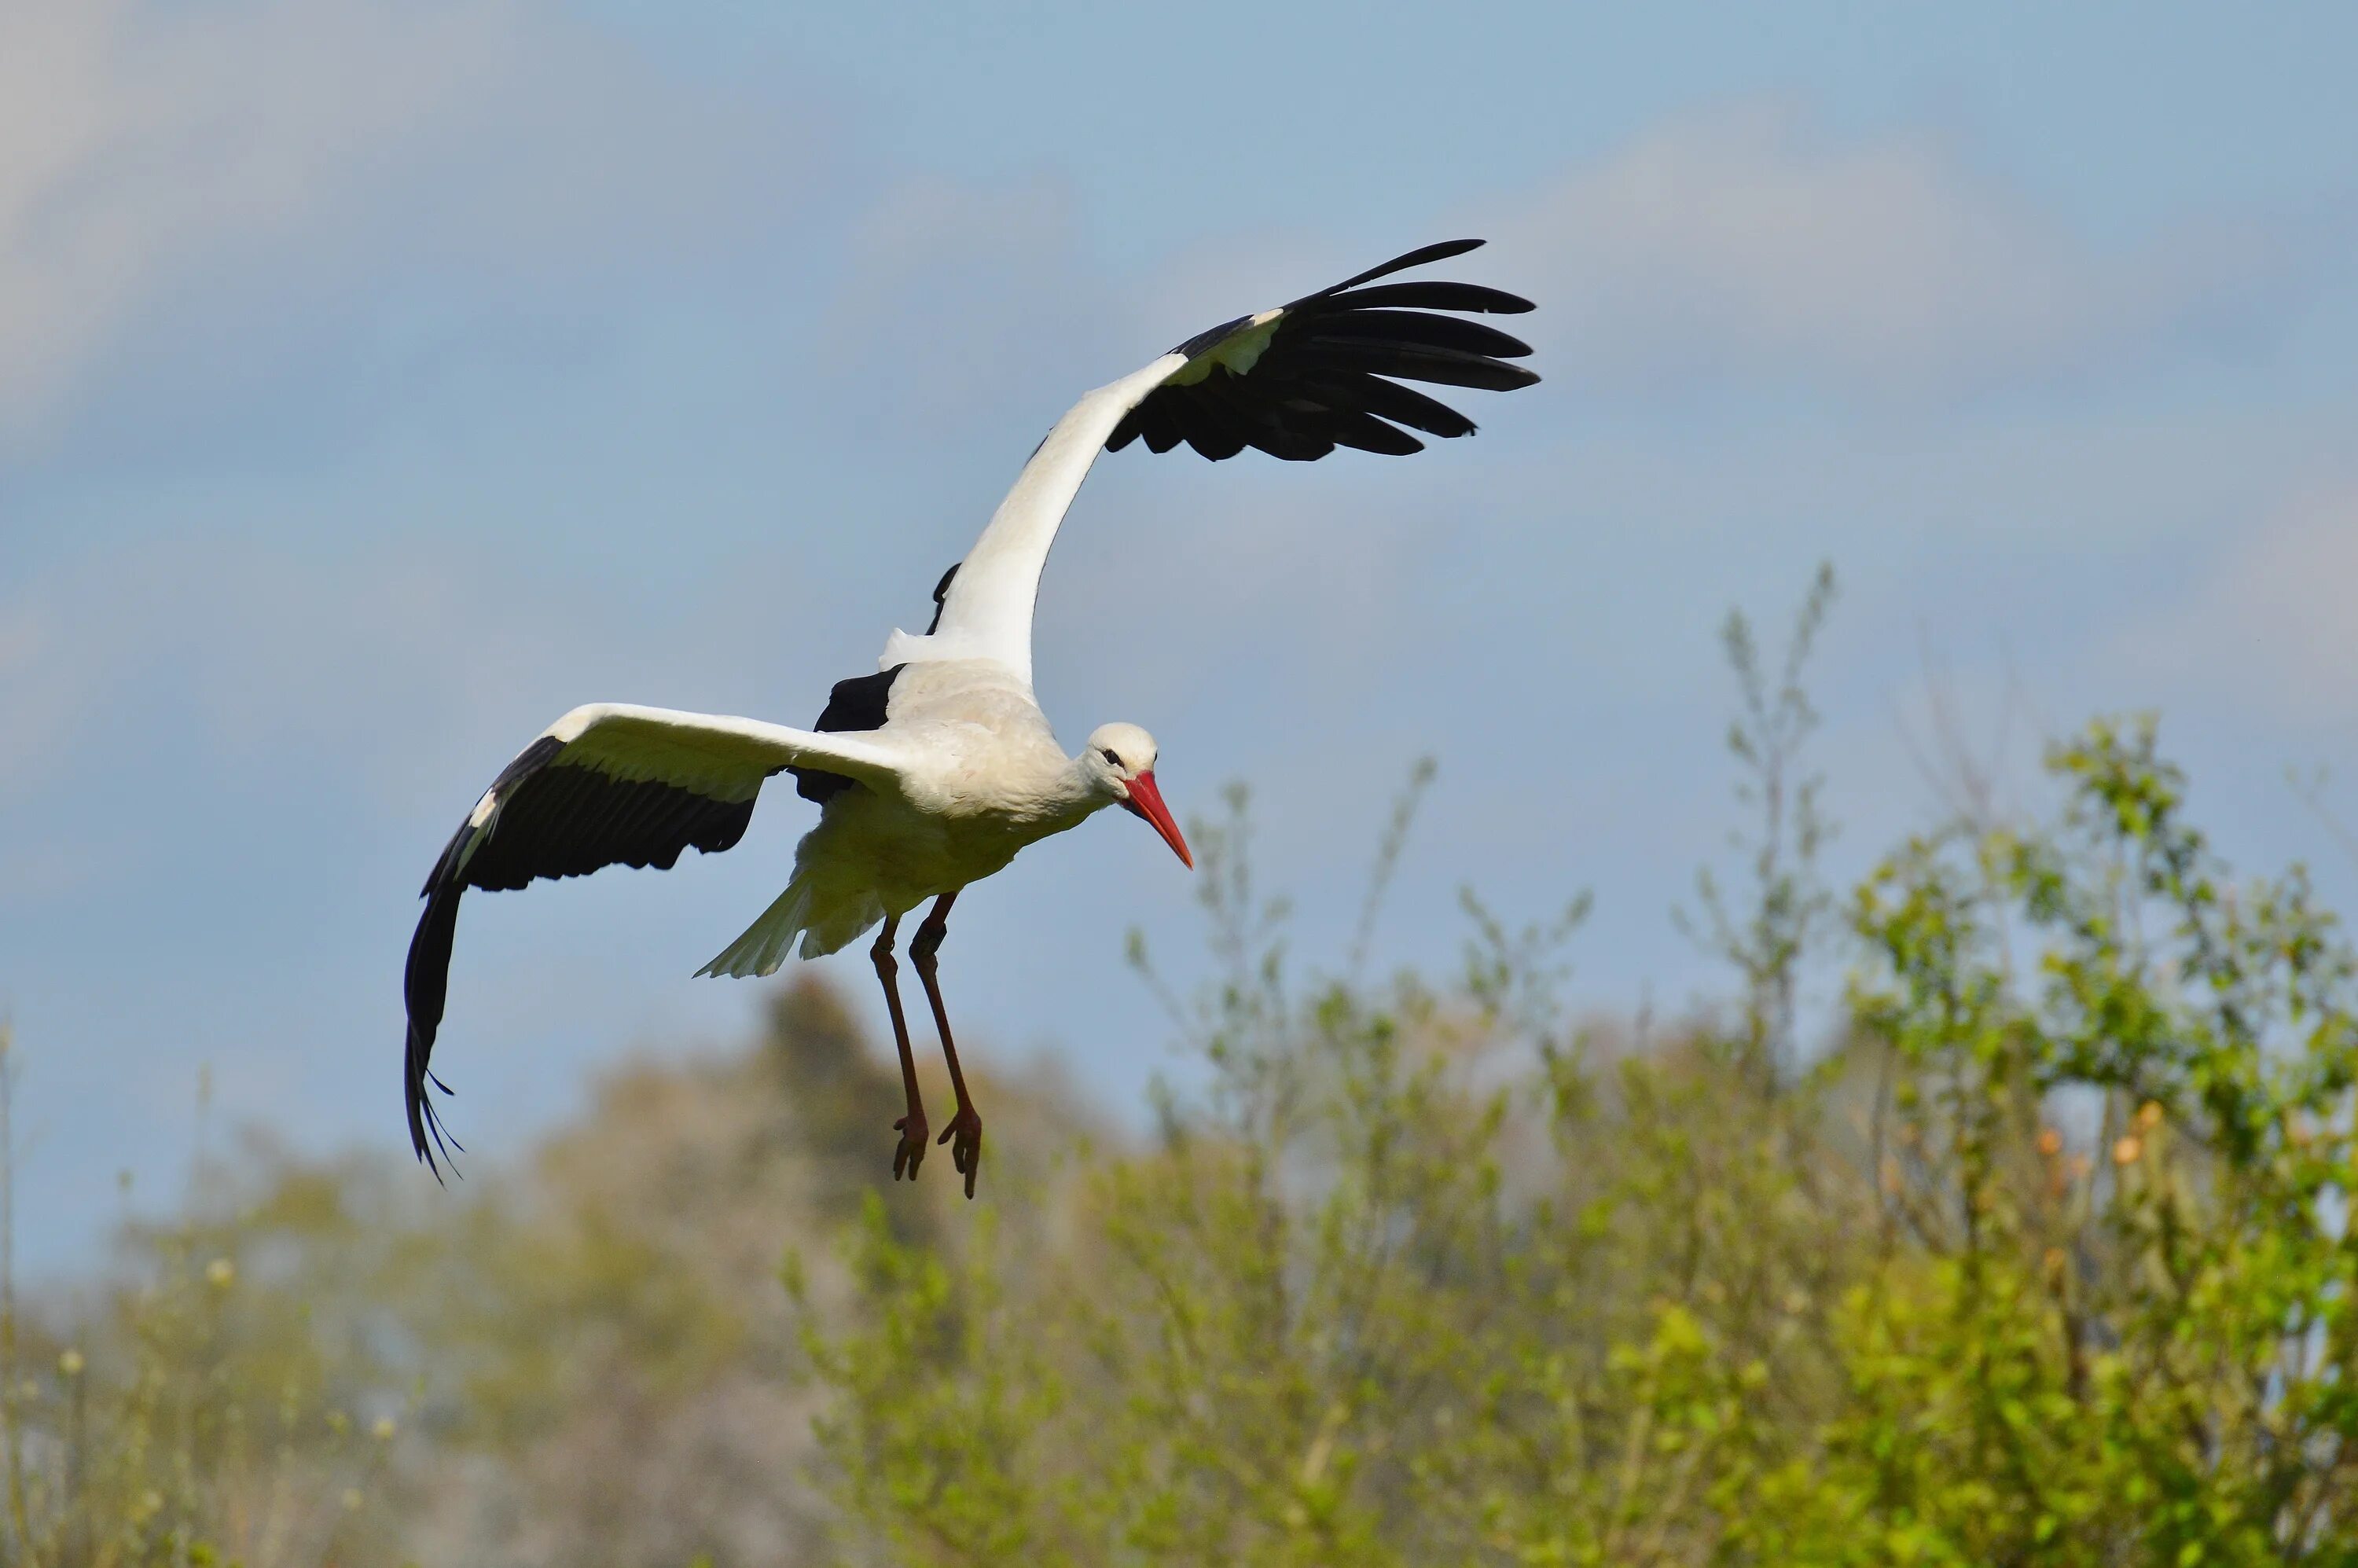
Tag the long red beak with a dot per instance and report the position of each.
(1146, 801)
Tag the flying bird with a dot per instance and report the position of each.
(933, 773)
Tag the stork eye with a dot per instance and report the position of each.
(1108, 753)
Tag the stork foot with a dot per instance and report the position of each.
(964, 1135)
(912, 1151)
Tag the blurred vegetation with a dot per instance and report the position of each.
(2038, 1254)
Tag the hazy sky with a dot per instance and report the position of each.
(378, 380)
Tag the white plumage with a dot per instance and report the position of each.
(984, 778)
(937, 770)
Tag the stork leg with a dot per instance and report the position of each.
(964, 1135)
(912, 1127)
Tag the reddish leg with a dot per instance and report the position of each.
(912, 1127)
(964, 1135)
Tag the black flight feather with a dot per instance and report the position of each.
(1222, 436)
(1413, 362)
(1420, 327)
(1401, 405)
(1370, 434)
(1420, 256)
(1434, 295)
(547, 820)
(1328, 372)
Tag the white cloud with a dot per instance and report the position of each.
(1741, 247)
(149, 152)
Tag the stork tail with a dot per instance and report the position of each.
(796, 912)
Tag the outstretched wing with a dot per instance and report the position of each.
(1296, 382)
(607, 784)
(1325, 370)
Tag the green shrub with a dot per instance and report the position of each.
(2044, 1260)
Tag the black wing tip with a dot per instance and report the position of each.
(1391, 332)
(1424, 256)
(424, 987)
(1434, 294)
(427, 1135)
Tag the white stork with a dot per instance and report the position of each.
(933, 773)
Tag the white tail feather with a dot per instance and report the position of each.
(765, 943)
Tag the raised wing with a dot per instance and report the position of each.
(607, 784)
(1295, 382)
(1325, 370)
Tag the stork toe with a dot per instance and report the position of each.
(964, 1135)
(911, 1152)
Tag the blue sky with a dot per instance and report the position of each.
(378, 381)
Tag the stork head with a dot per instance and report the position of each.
(1119, 759)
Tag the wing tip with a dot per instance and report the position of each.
(1424, 256)
(427, 1134)
(424, 989)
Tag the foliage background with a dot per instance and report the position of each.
(2032, 1250)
